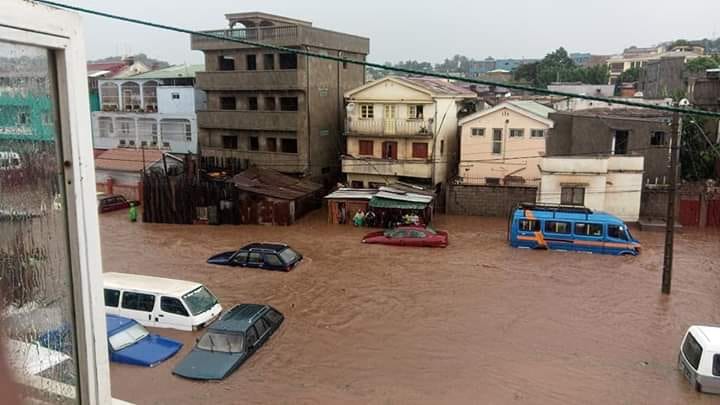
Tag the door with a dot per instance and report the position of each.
(617, 240)
(240, 259)
(390, 150)
(172, 313)
(689, 212)
(255, 259)
(389, 117)
(713, 214)
(588, 237)
(138, 306)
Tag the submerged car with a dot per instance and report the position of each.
(130, 343)
(107, 203)
(231, 340)
(269, 256)
(409, 236)
(699, 360)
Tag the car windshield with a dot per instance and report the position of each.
(199, 300)
(128, 336)
(288, 255)
(219, 342)
(632, 238)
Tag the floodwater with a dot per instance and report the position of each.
(478, 322)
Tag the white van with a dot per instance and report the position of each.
(160, 302)
(699, 358)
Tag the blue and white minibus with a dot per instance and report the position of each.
(561, 227)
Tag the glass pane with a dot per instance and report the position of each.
(36, 307)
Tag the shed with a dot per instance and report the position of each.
(388, 203)
(270, 197)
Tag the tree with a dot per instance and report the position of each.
(629, 76)
(703, 63)
(697, 157)
(526, 73)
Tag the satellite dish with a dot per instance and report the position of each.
(350, 107)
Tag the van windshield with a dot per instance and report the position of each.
(128, 336)
(692, 351)
(199, 300)
(220, 342)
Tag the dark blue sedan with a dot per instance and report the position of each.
(229, 341)
(130, 343)
(267, 256)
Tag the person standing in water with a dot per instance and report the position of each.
(132, 213)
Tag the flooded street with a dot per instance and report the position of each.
(478, 322)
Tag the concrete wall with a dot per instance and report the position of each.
(183, 104)
(663, 78)
(483, 200)
(474, 148)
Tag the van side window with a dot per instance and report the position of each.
(716, 365)
(692, 351)
(112, 297)
(617, 232)
(251, 336)
(529, 225)
(557, 227)
(138, 302)
(172, 306)
(588, 229)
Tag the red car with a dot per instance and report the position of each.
(107, 203)
(409, 236)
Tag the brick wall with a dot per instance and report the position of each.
(489, 201)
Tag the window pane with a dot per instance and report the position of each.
(529, 225)
(172, 306)
(112, 298)
(557, 227)
(692, 351)
(138, 302)
(35, 278)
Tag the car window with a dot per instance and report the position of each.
(716, 365)
(255, 258)
(112, 297)
(261, 326)
(398, 234)
(288, 255)
(692, 351)
(273, 316)
(617, 232)
(221, 342)
(172, 306)
(557, 227)
(138, 301)
(241, 257)
(251, 336)
(529, 225)
(417, 234)
(273, 260)
(584, 229)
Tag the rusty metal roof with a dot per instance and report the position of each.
(274, 184)
(127, 160)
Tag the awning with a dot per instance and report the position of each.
(378, 202)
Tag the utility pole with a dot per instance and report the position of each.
(670, 218)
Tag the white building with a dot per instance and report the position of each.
(402, 129)
(612, 184)
(153, 110)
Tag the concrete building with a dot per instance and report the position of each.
(663, 77)
(120, 171)
(600, 90)
(402, 129)
(504, 144)
(602, 132)
(605, 183)
(577, 104)
(153, 110)
(640, 57)
(274, 109)
(704, 92)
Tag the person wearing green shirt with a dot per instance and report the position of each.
(132, 214)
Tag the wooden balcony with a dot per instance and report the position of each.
(389, 128)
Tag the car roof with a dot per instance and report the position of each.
(707, 336)
(149, 283)
(593, 216)
(275, 247)
(238, 318)
(107, 196)
(117, 323)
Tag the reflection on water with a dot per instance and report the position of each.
(35, 289)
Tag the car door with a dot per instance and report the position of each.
(588, 237)
(172, 313)
(255, 259)
(263, 329)
(398, 237)
(138, 306)
(273, 261)
(417, 238)
(616, 240)
(251, 339)
(240, 259)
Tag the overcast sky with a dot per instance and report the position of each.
(421, 30)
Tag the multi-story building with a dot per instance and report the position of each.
(402, 129)
(273, 109)
(152, 110)
(639, 57)
(504, 144)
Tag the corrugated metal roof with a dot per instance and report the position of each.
(127, 160)
(409, 197)
(352, 194)
(378, 202)
(172, 72)
(532, 107)
(438, 87)
(274, 184)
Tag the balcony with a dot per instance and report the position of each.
(385, 167)
(284, 36)
(249, 120)
(390, 128)
(257, 80)
(284, 162)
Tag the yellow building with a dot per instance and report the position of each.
(402, 129)
(504, 144)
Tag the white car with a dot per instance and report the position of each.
(699, 358)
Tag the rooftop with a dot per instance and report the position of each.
(172, 72)
(532, 107)
(635, 113)
(127, 160)
(274, 184)
(438, 86)
(135, 281)
(237, 318)
(257, 18)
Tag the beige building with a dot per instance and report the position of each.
(605, 183)
(274, 109)
(504, 144)
(402, 129)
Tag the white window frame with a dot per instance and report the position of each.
(477, 131)
(61, 32)
(367, 111)
(536, 130)
(514, 132)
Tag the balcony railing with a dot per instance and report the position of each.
(392, 127)
(261, 34)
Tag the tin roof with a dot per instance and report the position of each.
(274, 184)
(172, 72)
(533, 107)
(127, 160)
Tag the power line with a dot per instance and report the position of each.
(379, 66)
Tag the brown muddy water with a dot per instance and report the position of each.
(478, 322)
